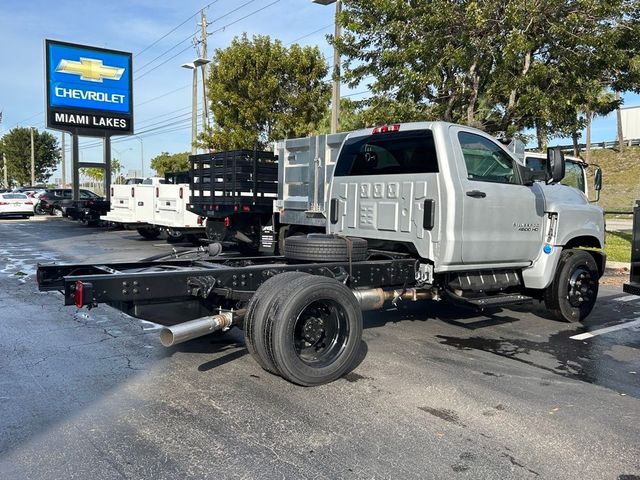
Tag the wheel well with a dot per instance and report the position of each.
(589, 243)
(585, 241)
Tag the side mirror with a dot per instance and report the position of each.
(555, 165)
(597, 181)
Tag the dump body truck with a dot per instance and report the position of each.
(416, 211)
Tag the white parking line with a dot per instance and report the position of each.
(628, 298)
(613, 328)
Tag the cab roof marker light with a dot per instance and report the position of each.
(386, 128)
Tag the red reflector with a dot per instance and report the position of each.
(386, 128)
(200, 220)
(227, 222)
(28, 203)
(157, 192)
(112, 191)
(4, 203)
(246, 208)
(133, 192)
(180, 193)
(79, 294)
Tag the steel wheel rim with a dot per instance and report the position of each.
(320, 333)
(581, 287)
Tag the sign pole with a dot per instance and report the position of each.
(63, 162)
(75, 169)
(107, 168)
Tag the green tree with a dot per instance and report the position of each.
(16, 145)
(97, 174)
(170, 162)
(260, 91)
(502, 65)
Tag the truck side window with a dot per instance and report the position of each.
(573, 176)
(393, 153)
(485, 160)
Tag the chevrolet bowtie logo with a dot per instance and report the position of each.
(90, 69)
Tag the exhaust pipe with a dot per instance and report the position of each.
(374, 298)
(199, 327)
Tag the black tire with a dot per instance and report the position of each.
(313, 330)
(38, 210)
(574, 290)
(175, 237)
(148, 233)
(215, 230)
(319, 247)
(255, 317)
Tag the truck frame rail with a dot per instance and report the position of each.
(209, 280)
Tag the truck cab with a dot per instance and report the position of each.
(460, 201)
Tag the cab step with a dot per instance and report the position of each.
(493, 301)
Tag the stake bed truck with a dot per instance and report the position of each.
(417, 211)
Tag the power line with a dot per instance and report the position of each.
(174, 29)
(163, 95)
(166, 52)
(242, 18)
(183, 41)
(211, 33)
(308, 34)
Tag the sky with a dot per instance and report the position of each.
(159, 33)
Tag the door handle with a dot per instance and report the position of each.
(476, 194)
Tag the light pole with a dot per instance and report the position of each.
(141, 155)
(198, 62)
(33, 159)
(335, 90)
(194, 107)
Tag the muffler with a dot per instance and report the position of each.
(375, 298)
(199, 327)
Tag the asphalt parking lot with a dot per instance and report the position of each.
(441, 392)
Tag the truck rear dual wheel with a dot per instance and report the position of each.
(305, 328)
(573, 292)
(319, 247)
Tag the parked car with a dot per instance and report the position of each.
(59, 202)
(15, 205)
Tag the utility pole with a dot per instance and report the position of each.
(4, 161)
(335, 90)
(63, 162)
(205, 71)
(33, 160)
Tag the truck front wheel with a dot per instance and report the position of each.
(573, 292)
(313, 330)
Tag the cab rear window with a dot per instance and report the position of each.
(393, 153)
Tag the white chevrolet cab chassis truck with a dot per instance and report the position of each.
(418, 211)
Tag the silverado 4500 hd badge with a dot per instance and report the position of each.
(526, 227)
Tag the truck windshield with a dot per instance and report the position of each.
(391, 153)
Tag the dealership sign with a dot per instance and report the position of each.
(89, 89)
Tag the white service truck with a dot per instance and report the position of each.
(156, 205)
(416, 211)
